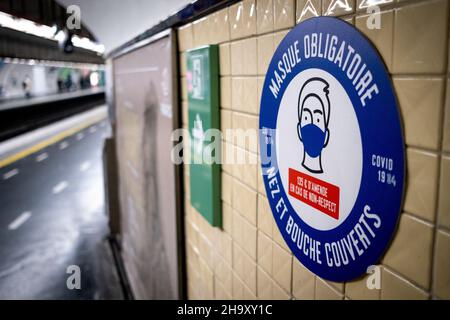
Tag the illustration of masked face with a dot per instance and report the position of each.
(312, 128)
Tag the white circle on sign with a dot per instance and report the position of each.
(341, 158)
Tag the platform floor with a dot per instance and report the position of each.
(52, 215)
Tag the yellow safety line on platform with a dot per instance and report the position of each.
(43, 144)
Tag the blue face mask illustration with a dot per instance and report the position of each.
(313, 118)
(313, 139)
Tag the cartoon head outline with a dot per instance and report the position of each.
(313, 119)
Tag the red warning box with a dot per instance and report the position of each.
(319, 194)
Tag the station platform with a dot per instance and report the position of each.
(53, 212)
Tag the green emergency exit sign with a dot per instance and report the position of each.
(204, 114)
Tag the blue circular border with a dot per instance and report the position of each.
(381, 134)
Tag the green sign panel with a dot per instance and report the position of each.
(204, 114)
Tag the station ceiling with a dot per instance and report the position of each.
(46, 12)
(113, 22)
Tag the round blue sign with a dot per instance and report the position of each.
(332, 148)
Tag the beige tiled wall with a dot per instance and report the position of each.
(248, 258)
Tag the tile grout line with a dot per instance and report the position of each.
(408, 280)
(444, 99)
